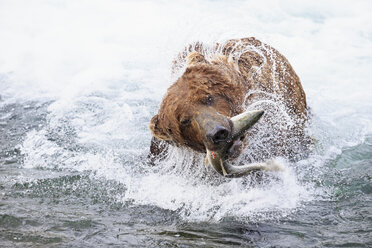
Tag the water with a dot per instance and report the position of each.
(79, 82)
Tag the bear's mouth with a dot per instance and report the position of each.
(219, 158)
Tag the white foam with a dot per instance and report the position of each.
(232, 198)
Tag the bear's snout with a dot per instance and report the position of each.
(214, 128)
(218, 134)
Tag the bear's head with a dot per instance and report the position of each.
(196, 110)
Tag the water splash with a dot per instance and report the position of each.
(105, 79)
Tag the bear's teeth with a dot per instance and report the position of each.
(216, 162)
(223, 168)
(207, 163)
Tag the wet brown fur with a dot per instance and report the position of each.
(228, 74)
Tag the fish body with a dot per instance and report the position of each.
(241, 123)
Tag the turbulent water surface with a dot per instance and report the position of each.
(80, 80)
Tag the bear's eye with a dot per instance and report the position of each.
(185, 122)
(170, 131)
(209, 100)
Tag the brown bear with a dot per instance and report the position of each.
(222, 81)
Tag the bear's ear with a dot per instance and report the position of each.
(156, 130)
(195, 57)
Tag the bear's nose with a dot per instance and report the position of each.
(218, 134)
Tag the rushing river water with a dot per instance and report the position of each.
(80, 80)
